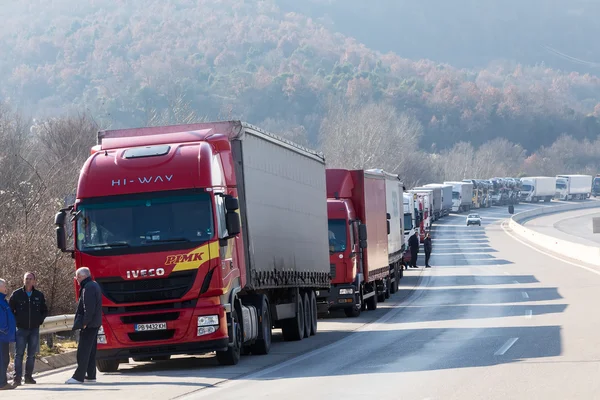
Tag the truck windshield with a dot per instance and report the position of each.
(145, 222)
(527, 188)
(596, 182)
(561, 185)
(337, 235)
(407, 221)
(455, 195)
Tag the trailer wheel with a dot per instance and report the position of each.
(394, 287)
(313, 313)
(388, 287)
(381, 296)
(107, 365)
(232, 355)
(307, 314)
(293, 328)
(262, 345)
(372, 301)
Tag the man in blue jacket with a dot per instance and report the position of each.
(8, 331)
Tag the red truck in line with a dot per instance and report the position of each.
(203, 238)
(366, 238)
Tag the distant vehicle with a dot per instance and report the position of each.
(473, 219)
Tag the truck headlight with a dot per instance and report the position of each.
(206, 320)
(101, 337)
(206, 330)
(346, 291)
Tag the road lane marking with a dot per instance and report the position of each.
(509, 343)
(528, 314)
(548, 254)
(525, 295)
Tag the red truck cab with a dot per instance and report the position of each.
(358, 230)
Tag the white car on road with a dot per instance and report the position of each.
(473, 219)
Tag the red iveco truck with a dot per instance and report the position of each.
(203, 238)
(363, 271)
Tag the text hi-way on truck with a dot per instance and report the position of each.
(202, 237)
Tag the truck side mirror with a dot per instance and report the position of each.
(232, 223)
(231, 203)
(363, 244)
(389, 229)
(362, 233)
(61, 234)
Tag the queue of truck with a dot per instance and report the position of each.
(206, 237)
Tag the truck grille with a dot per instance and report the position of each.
(175, 286)
(332, 270)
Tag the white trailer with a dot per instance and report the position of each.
(446, 196)
(573, 187)
(462, 195)
(394, 204)
(536, 188)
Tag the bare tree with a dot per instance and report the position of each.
(370, 136)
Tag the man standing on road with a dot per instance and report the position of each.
(7, 335)
(427, 247)
(88, 318)
(413, 243)
(29, 307)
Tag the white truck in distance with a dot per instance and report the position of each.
(446, 196)
(462, 195)
(573, 187)
(536, 188)
(410, 217)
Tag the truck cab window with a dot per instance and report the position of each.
(144, 221)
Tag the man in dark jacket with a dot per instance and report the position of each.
(29, 307)
(427, 247)
(413, 243)
(8, 330)
(88, 318)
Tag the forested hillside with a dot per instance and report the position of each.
(123, 61)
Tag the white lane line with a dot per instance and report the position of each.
(509, 343)
(548, 254)
(525, 295)
(528, 314)
(506, 273)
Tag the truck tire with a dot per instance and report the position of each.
(293, 328)
(388, 287)
(394, 286)
(262, 345)
(107, 365)
(381, 296)
(307, 314)
(232, 355)
(313, 313)
(371, 302)
(352, 312)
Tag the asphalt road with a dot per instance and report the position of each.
(574, 226)
(494, 318)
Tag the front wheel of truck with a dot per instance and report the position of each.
(232, 355)
(293, 328)
(107, 365)
(313, 313)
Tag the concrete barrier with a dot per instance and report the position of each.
(580, 252)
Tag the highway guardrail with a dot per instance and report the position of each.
(57, 323)
(577, 251)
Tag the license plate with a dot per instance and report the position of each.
(157, 326)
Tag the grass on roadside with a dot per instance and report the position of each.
(59, 348)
